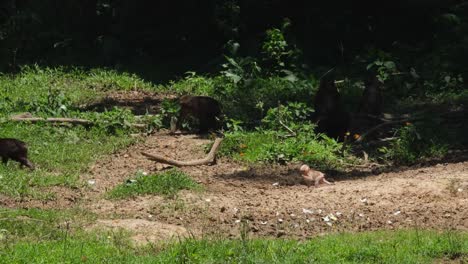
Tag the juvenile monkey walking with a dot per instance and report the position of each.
(15, 149)
(204, 108)
(312, 176)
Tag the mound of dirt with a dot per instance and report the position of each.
(144, 231)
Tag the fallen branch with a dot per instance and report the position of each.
(209, 159)
(52, 120)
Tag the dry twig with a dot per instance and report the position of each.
(209, 159)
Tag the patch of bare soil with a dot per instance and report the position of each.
(272, 201)
(55, 197)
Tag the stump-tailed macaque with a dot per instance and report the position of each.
(330, 115)
(14, 149)
(311, 176)
(206, 109)
(371, 100)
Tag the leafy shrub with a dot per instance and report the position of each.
(416, 142)
(241, 70)
(268, 146)
(55, 104)
(275, 46)
(289, 115)
(169, 109)
(383, 68)
(287, 135)
(115, 121)
(154, 122)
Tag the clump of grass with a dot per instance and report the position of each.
(167, 183)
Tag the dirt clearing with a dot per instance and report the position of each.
(272, 201)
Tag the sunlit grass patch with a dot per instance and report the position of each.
(370, 247)
(35, 225)
(166, 183)
(60, 154)
(34, 87)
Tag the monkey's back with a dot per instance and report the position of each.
(200, 106)
(12, 148)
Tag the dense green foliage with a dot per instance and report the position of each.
(183, 35)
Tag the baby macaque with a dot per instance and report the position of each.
(14, 149)
(312, 176)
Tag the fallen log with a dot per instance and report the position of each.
(209, 159)
(27, 117)
(77, 121)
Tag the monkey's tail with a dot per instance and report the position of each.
(327, 72)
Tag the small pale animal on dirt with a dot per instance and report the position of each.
(14, 149)
(312, 176)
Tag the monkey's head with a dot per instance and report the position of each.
(185, 99)
(304, 169)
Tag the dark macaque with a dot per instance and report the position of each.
(330, 115)
(371, 100)
(15, 149)
(206, 109)
(311, 176)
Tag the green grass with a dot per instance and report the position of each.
(35, 225)
(31, 87)
(374, 247)
(60, 155)
(269, 146)
(166, 183)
